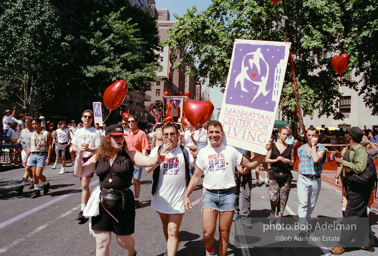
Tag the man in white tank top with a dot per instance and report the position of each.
(24, 140)
(39, 153)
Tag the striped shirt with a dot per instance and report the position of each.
(306, 165)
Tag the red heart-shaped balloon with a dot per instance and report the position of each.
(166, 93)
(340, 63)
(184, 121)
(197, 112)
(124, 114)
(168, 119)
(188, 94)
(115, 94)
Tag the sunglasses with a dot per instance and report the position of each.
(132, 121)
(124, 123)
(89, 117)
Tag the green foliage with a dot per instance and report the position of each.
(317, 29)
(73, 50)
(31, 49)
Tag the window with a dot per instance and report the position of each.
(157, 92)
(158, 83)
(345, 104)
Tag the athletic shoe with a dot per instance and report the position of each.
(36, 194)
(20, 189)
(136, 204)
(246, 221)
(266, 182)
(258, 182)
(80, 217)
(46, 188)
(54, 166)
(236, 216)
(62, 170)
(210, 253)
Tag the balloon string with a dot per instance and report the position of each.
(275, 11)
(107, 117)
(296, 93)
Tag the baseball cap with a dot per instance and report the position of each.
(356, 134)
(8, 110)
(41, 117)
(115, 129)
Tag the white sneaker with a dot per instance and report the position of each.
(62, 170)
(54, 166)
(210, 253)
(266, 182)
(258, 182)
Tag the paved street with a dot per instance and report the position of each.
(47, 225)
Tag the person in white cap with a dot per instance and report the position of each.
(8, 119)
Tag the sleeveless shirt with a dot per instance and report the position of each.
(42, 145)
(117, 176)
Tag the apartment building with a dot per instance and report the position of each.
(174, 81)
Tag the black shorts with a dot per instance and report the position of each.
(126, 218)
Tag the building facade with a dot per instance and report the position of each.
(354, 110)
(174, 81)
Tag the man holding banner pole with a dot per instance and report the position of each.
(217, 162)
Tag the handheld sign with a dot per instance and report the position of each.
(253, 92)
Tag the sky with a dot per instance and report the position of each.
(179, 8)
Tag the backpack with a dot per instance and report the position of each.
(366, 180)
(155, 176)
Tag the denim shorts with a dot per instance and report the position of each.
(222, 200)
(137, 172)
(37, 159)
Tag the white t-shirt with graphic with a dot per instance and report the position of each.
(89, 136)
(188, 138)
(169, 195)
(218, 165)
(62, 135)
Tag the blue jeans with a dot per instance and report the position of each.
(220, 199)
(308, 193)
(37, 159)
(137, 172)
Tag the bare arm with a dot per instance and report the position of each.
(50, 147)
(252, 163)
(160, 154)
(85, 169)
(144, 161)
(192, 185)
(268, 157)
(317, 156)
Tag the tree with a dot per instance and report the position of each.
(31, 50)
(317, 29)
(112, 41)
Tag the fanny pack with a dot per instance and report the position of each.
(281, 177)
(111, 199)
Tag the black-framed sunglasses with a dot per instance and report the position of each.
(89, 117)
(132, 121)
